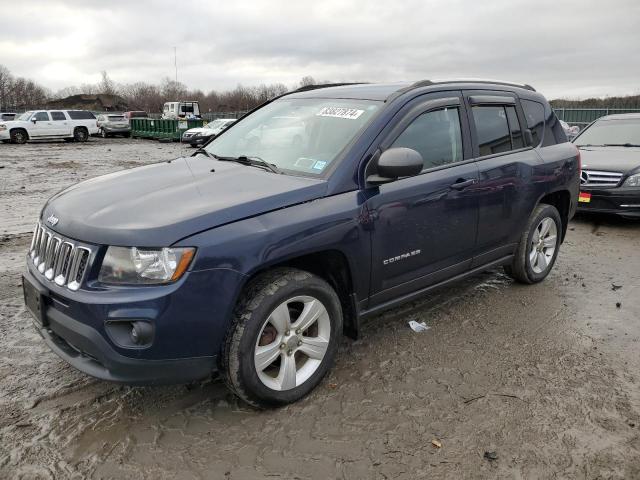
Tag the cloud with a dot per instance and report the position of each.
(563, 48)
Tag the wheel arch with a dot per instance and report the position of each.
(333, 267)
(22, 129)
(561, 199)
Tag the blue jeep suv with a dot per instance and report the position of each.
(317, 209)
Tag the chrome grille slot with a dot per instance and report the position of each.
(78, 268)
(597, 178)
(63, 260)
(59, 259)
(44, 245)
(50, 255)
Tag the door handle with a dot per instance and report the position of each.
(461, 183)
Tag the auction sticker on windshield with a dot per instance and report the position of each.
(340, 112)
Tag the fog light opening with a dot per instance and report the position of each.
(141, 333)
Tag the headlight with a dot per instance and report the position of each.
(2, 128)
(632, 181)
(144, 265)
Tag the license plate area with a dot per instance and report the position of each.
(35, 300)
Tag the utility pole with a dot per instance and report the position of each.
(175, 61)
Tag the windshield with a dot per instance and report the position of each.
(215, 124)
(25, 116)
(299, 135)
(611, 132)
(116, 118)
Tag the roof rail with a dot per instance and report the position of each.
(324, 85)
(426, 83)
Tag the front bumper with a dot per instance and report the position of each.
(620, 201)
(5, 135)
(196, 139)
(189, 327)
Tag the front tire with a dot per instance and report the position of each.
(103, 134)
(19, 136)
(539, 245)
(283, 338)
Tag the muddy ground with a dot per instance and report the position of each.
(546, 378)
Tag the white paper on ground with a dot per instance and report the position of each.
(418, 327)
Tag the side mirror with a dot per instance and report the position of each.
(528, 137)
(34, 120)
(395, 163)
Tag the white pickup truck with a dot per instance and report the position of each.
(70, 125)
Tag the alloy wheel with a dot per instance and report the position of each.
(543, 245)
(292, 343)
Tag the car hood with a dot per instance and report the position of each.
(159, 204)
(200, 131)
(14, 123)
(610, 159)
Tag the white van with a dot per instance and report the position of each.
(70, 125)
(174, 110)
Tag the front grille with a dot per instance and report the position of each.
(596, 178)
(58, 259)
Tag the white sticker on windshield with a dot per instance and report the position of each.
(319, 165)
(340, 112)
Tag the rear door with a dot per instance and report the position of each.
(61, 124)
(424, 227)
(507, 172)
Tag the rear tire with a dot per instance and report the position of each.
(283, 338)
(539, 245)
(80, 134)
(19, 136)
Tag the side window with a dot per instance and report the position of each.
(534, 113)
(436, 135)
(58, 116)
(514, 128)
(41, 117)
(81, 115)
(492, 128)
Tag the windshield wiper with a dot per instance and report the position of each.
(590, 145)
(204, 152)
(251, 162)
(621, 145)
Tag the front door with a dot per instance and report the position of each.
(424, 227)
(42, 125)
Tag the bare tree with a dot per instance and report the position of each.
(106, 85)
(307, 81)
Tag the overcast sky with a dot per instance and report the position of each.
(563, 48)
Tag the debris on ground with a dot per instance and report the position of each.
(615, 287)
(618, 304)
(333, 386)
(491, 456)
(418, 327)
(436, 443)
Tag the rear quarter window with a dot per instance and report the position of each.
(81, 115)
(534, 114)
(553, 131)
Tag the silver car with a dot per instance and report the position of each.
(113, 124)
